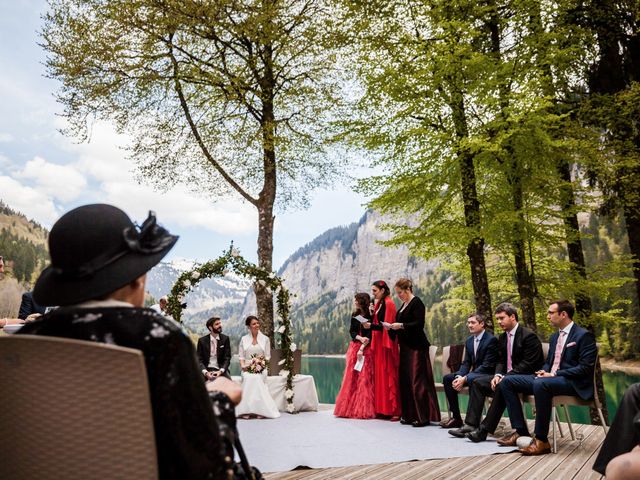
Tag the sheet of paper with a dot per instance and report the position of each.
(359, 364)
(361, 319)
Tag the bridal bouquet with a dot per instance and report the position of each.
(257, 364)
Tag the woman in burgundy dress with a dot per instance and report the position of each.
(417, 388)
(385, 353)
(355, 399)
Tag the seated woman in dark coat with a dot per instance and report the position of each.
(99, 261)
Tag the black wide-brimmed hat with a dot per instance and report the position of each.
(95, 250)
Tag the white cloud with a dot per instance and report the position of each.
(5, 137)
(33, 203)
(62, 182)
(181, 208)
(104, 162)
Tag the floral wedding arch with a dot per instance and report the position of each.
(231, 260)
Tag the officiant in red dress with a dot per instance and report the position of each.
(355, 399)
(385, 353)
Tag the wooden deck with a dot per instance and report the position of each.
(573, 461)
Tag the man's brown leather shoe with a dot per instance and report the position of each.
(452, 423)
(537, 447)
(509, 440)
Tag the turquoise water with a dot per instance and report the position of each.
(328, 371)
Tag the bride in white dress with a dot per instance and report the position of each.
(256, 399)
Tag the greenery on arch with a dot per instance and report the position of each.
(231, 260)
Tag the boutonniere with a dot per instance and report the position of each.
(221, 346)
(572, 344)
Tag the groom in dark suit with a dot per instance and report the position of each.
(567, 371)
(214, 351)
(481, 354)
(520, 353)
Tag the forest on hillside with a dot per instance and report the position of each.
(24, 256)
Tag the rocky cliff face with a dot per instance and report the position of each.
(325, 274)
(349, 259)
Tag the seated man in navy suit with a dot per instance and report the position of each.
(567, 371)
(520, 352)
(480, 358)
(28, 306)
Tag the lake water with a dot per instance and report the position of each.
(328, 371)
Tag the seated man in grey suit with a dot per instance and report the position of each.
(214, 351)
(481, 355)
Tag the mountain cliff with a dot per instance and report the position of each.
(325, 274)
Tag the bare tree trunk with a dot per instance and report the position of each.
(264, 297)
(576, 257)
(526, 286)
(524, 278)
(266, 200)
(632, 220)
(475, 248)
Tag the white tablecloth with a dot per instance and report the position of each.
(304, 389)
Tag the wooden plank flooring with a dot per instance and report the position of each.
(573, 461)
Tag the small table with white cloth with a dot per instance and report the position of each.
(305, 396)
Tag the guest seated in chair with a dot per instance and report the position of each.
(254, 354)
(29, 308)
(567, 371)
(99, 261)
(520, 353)
(620, 451)
(481, 355)
(214, 351)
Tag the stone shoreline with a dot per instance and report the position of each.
(630, 367)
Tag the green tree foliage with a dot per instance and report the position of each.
(499, 83)
(25, 257)
(226, 96)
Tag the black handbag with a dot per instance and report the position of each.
(226, 414)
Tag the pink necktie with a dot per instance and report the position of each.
(558, 353)
(214, 347)
(509, 352)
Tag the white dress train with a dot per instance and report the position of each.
(256, 399)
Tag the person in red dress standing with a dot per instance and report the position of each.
(386, 356)
(355, 399)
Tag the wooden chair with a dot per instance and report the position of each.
(75, 410)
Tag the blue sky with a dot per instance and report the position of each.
(43, 174)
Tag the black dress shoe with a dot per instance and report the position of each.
(478, 435)
(418, 424)
(462, 431)
(405, 422)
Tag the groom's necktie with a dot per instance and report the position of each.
(509, 335)
(214, 346)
